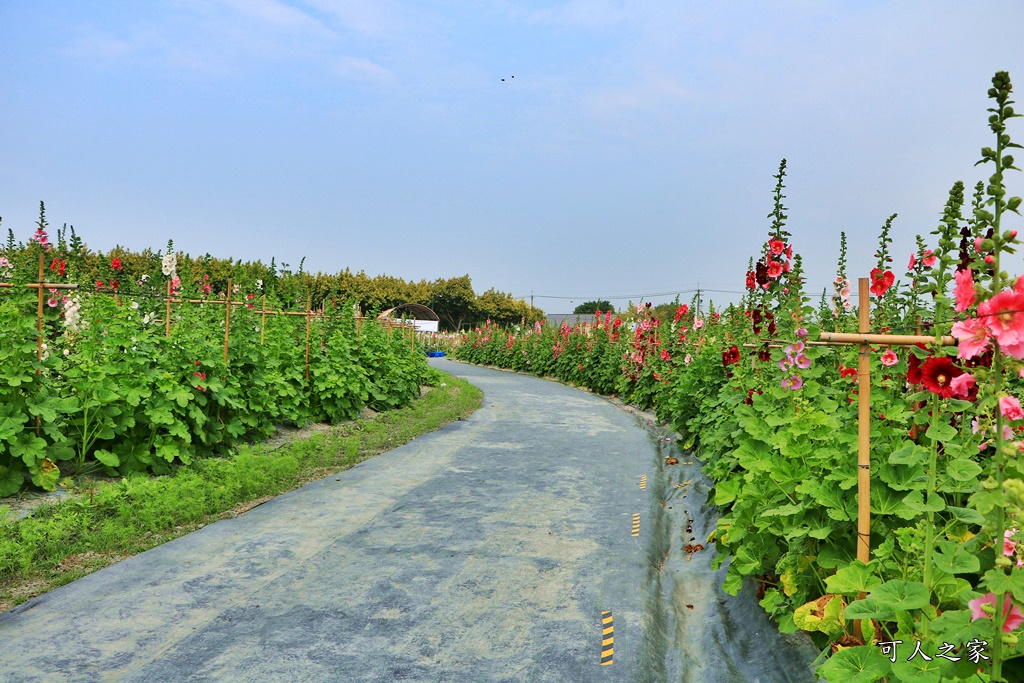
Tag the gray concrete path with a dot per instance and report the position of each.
(487, 551)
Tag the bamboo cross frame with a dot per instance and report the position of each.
(864, 338)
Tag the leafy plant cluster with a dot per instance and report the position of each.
(111, 391)
(773, 415)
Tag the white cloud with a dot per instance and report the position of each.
(362, 69)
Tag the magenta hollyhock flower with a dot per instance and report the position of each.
(786, 363)
(1014, 617)
(973, 336)
(794, 383)
(1009, 406)
(962, 384)
(889, 358)
(802, 362)
(964, 290)
(1003, 315)
(928, 258)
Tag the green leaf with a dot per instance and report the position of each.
(864, 609)
(915, 501)
(824, 614)
(106, 457)
(998, 581)
(894, 596)
(863, 664)
(852, 579)
(963, 469)
(941, 432)
(918, 670)
(909, 454)
(727, 491)
(11, 480)
(953, 558)
(967, 515)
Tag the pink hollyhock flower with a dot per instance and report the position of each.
(1009, 406)
(686, 359)
(1009, 547)
(793, 383)
(1018, 286)
(928, 258)
(964, 290)
(913, 262)
(777, 246)
(774, 269)
(51, 302)
(802, 362)
(802, 333)
(697, 324)
(973, 336)
(1003, 315)
(977, 244)
(962, 384)
(1014, 617)
(889, 358)
(786, 363)
(665, 355)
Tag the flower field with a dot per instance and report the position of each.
(140, 376)
(771, 406)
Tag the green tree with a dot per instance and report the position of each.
(588, 307)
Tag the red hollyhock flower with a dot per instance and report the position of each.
(751, 279)
(115, 263)
(914, 367)
(881, 282)
(937, 375)
(681, 311)
(774, 269)
(848, 373)
(777, 246)
(730, 356)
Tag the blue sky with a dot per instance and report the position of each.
(632, 152)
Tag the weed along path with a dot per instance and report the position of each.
(542, 539)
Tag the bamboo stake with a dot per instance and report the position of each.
(309, 305)
(39, 325)
(883, 339)
(227, 322)
(864, 427)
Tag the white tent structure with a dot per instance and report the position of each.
(418, 315)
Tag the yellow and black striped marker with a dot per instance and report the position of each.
(607, 638)
(643, 482)
(636, 524)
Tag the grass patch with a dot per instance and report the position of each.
(111, 521)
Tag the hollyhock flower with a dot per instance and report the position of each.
(937, 375)
(731, 355)
(973, 337)
(964, 290)
(697, 324)
(99, 284)
(794, 348)
(889, 358)
(1009, 547)
(751, 282)
(681, 311)
(802, 333)
(928, 258)
(848, 373)
(793, 383)
(777, 246)
(687, 359)
(774, 269)
(259, 285)
(169, 264)
(1013, 616)
(962, 385)
(786, 363)
(1009, 406)
(115, 263)
(802, 361)
(881, 282)
(206, 288)
(977, 244)
(913, 262)
(1003, 315)
(51, 302)
(665, 355)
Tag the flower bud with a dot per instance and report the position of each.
(1002, 561)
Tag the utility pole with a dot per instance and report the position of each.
(531, 298)
(698, 300)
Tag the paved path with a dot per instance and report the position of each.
(487, 551)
